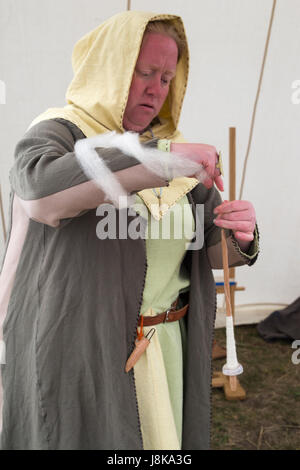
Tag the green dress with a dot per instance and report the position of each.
(159, 371)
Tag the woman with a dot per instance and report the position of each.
(72, 298)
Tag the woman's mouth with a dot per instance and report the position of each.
(147, 106)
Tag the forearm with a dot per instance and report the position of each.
(74, 201)
(56, 177)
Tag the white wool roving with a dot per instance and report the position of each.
(95, 168)
(163, 164)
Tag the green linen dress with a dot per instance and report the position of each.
(159, 371)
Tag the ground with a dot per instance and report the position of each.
(269, 417)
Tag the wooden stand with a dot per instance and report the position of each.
(220, 380)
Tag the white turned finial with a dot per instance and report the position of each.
(232, 367)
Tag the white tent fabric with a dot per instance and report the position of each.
(227, 39)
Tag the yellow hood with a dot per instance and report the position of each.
(103, 63)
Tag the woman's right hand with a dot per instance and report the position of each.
(205, 154)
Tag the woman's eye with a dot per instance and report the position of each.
(145, 74)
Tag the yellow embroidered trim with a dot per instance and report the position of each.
(164, 145)
(177, 188)
(220, 164)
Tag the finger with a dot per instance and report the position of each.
(209, 162)
(212, 161)
(239, 215)
(231, 206)
(202, 175)
(219, 182)
(243, 226)
(246, 236)
(208, 183)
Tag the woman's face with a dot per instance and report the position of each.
(154, 70)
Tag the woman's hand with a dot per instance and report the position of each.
(239, 216)
(205, 154)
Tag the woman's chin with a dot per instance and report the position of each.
(136, 127)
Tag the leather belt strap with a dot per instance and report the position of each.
(166, 317)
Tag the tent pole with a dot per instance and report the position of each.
(232, 184)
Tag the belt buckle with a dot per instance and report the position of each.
(167, 315)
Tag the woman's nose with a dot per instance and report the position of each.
(154, 86)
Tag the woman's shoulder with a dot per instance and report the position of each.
(50, 134)
(56, 128)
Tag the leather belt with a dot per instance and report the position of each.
(165, 317)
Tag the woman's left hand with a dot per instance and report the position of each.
(239, 216)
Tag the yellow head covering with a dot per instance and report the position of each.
(103, 63)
